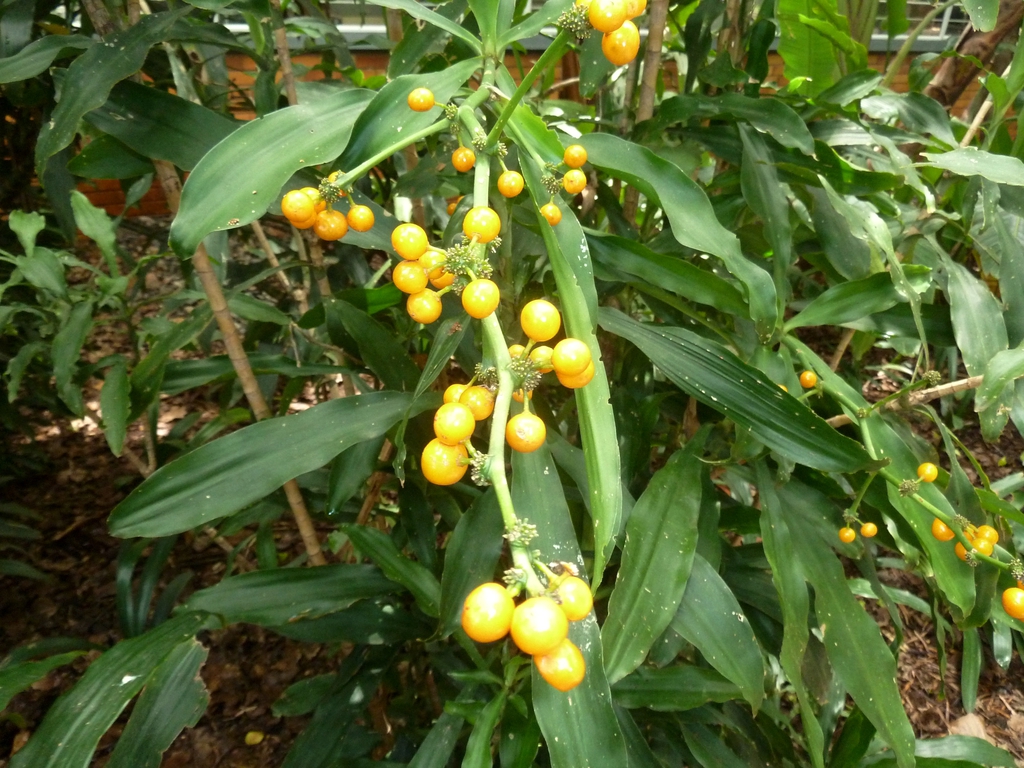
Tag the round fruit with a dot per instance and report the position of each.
(518, 395)
(607, 15)
(552, 213)
(540, 320)
(525, 432)
(538, 626)
(487, 613)
(541, 357)
(453, 204)
(635, 7)
(579, 380)
(360, 218)
(463, 159)
(575, 597)
(574, 181)
(444, 464)
(808, 379)
(480, 401)
(941, 531)
(421, 100)
(330, 225)
(510, 183)
(869, 530)
(297, 206)
(319, 204)
(409, 277)
(983, 546)
(409, 241)
(563, 668)
(960, 551)
(847, 535)
(988, 532)
(480, 298)
(927, 472)
(443, 280)
(620, 47)
(482, 223)
(433, 263)
(306, 223)
(453, 423)
(424, 307)
(454, 392)
(1013, 602)
(575, 156)
(516, 350)
(571, 357)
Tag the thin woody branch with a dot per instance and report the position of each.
(916, 398)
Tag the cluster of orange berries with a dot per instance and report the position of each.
(306, 208)
(621, 39)
(539, 625)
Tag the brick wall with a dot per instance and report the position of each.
(107, 193)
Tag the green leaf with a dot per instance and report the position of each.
(689, 212)
(173, 699)
(708, 747)
(617, 258)
(1001, 370)
(16, 366)
(181, 375)
(107, 158)
(42, 269)
(771, 116)
(470, 557)
(544, 16)
(478, 748)
(388, 115)
(661, 538)
(368, 622)
(965, 748)
(234, 471)
(421, 12)
(673, 689)
(855, 647)
(851, 88)
(970, 668)
(710, 618)
(251, 308)
(159, 125)
(67, 346)
(437, 748)
(970, 161)
(26, 226)
(302, 697)
(267, 151)
(36, 57)
(791, 585)
(114, 405)
(350, 471)
(91, 76)
(579, 727)
(806, 54)
(855, 299)
(96, 224)
(20, 570)
(388, 359)
(18, 677)
(418, 40)
(288, 595)
(74, 724)
(857, 53)
(716, 377)
(146, 376)
(380, 548)
(983, 13)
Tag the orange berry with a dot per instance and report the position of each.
(453, 204)
(607, 15)
(443, 280)
(487, 613)
(538, 626)
(518, 395)
(988, 532)
(552, 213)
(579, 380)
(525, 432)
(575, 156)
(983, 546)
(409, 277)
(869, 530)
(424, 307)
(847, 535)
(570, 357)
(621, 45)
(927, 472)
(541, 357)
(563, 668)
(510, 183)
(297, 206)
(516, 350)
(330, 225)
(421, 100)
(540, 320)
(575, 597)
(635, 7)
(482, 223)
(306, 223)
(360, 218)
(319, 204)
(808, 379)
(463, 159)
(941, 531)
(409, 241)
(443, 464)
(1013, 602)
(453, 423)
(574, 181)
(433, 263)
(480, 401)
(454, 392)
(480, 298)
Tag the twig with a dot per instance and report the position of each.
(316, 258)
(916, 398)
(376, 482)
(284, 56)
(844, 342)
(908, 44)
(648, 87)
(297, 293)
(979, 118)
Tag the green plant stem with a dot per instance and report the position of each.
(904, 51)
(360, 170)
(860, 494)
(553, 52)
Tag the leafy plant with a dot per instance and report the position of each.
(707, 479)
